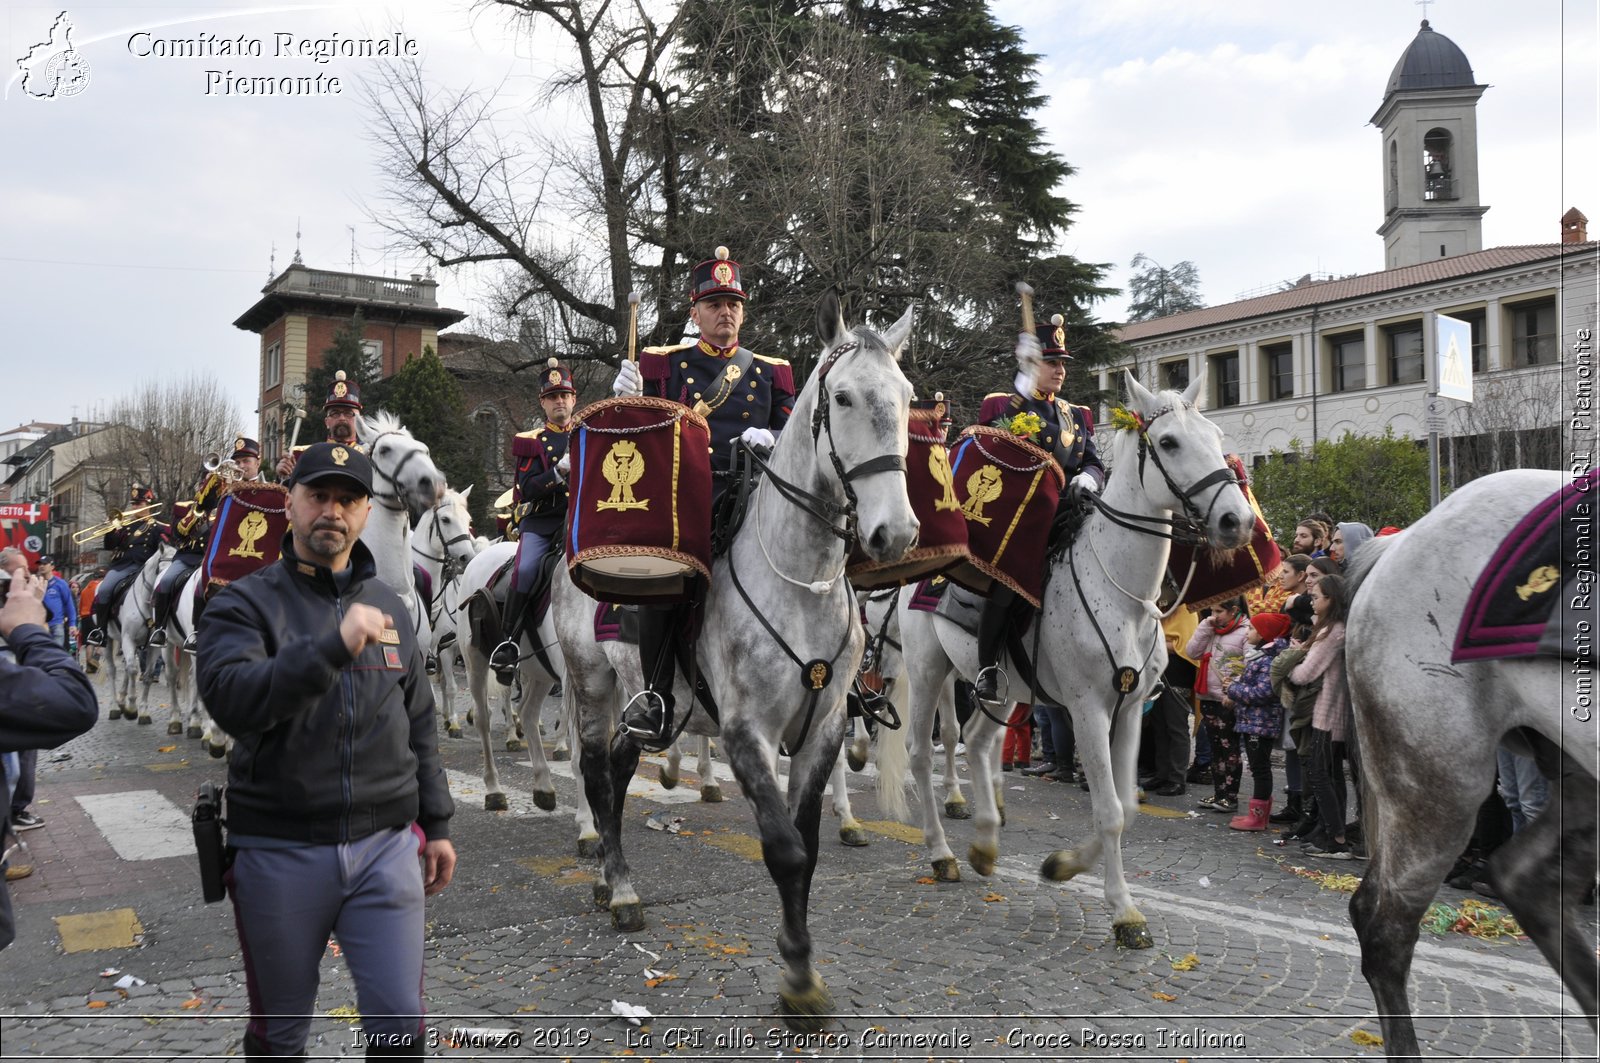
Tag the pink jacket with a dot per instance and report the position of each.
(1325, 658)
(1206, 640)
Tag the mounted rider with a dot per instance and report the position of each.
(191, 521)
(340, 412)
(745, 398)
(131, 545)
(1067, 434)
(539, 502)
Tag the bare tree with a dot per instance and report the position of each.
(1513, 422)
(159, 436)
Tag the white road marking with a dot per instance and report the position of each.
(140, 824)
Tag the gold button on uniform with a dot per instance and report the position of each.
(688, 380)
(747, 415)
(683, 365)
(697, 394)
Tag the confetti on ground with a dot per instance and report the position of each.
(345, 1013)
(191, 1004)
(1365, 1039)
(925, 880)
(1188, 963)
(1476, 918)
(991, 898)
(1168, 997)
(165, 749)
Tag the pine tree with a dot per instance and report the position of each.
(1158, 291)
(430, 403)
(360, 364)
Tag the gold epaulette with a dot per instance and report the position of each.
(771, 361)
(532, 433)
(684, 346)
(998, 395)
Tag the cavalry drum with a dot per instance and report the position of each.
(1008, 489)
(1206, 576)
(639, 522)
(942, 537)
(247, 534)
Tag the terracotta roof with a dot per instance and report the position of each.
(1362, 286)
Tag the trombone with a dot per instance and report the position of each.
(118, 520)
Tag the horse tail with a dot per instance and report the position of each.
(894, 758)
(1363, 560)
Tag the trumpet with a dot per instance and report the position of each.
(223, 468)
(118, 520)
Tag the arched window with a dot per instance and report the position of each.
(1394, 167)
(1438, 169)
(486, 422)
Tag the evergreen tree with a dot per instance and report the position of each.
(430, 403)
(359, 363)
(1377, 480)
(1158, 291)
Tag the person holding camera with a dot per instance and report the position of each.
(45, 699)
(335, 787)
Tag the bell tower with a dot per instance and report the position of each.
(1429, 121)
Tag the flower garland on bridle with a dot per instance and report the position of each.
(1125, 420)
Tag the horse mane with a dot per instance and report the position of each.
(384, 421)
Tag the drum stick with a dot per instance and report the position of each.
(1026, 291)
(633, 326)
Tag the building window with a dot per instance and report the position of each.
(1533, 333)
(1225, 379)
(1405, 353)
(1278, 359)
(1175, 375)
(487, 424)
(1348, 361)
(272, 366)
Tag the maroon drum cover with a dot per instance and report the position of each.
(942, 538)
(639, 512)
(246, 534)
(1223, 574)
(1008, 489)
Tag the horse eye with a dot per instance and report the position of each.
(842, 399)
(384, 449)
(1168, 443)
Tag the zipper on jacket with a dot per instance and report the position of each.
(347, 726)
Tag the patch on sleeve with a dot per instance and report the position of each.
(391, 659)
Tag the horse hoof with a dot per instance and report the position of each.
(146, 720)
(807, 1010)
(495, 802)
(667, 780)
(560, 754)
(114, 714)
(1060, 866)
(982, 859)
(195, 732)
(453, 732)
(174, 728)
(589, 848)
(602, 895)
(217, 751)
(946, 870)
(855, 761)
(1133, 936)
(469, 717)
(854, 837)
(957, 808)
(545, 799)
(626, 918)
(711, 794)
(515, 745)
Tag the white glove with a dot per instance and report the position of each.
(628, 381)
(1029, 355)
(758, 437)
(564, 466)
(1084, 484)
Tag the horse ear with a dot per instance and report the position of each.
(830, 319)
(1141, 397)
(899, 332)
(1196, 389)
(465, 492)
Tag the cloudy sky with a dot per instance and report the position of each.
(139, 216)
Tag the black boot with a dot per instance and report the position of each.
(506, 655)
(991, 634)
(1290, 812)
(1307, 821)
(158, 619)
(648, 717)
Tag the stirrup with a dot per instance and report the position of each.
(1001, 682)
(158, 637)
(97, 637)
(191, 644)
(504, 673)
(641, 734)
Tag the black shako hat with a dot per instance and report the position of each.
(716, 276)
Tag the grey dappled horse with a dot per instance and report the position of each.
(1428, 731)
(1099, 617)
(848, 425)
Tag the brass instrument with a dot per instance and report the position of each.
(223, 468)
(118, 520)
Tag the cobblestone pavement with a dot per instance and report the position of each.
(1006, 967)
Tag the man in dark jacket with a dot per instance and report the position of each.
(334, 785)
(45, 699)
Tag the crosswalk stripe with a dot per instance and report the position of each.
(140, 824)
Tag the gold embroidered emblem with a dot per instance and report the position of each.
(819, 676)
(1060, 336)
(983, 487)
(1126, 678)
(340, 389)
(622, 468)
(252, 528)
(389, 635)
(939, 466)
(340, 456)
(722, 273)
(1540, 580)
(238, 444)
(555, 376)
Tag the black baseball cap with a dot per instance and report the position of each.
(327, 461)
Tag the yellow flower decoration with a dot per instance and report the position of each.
(1126, 420)
(1026, 425)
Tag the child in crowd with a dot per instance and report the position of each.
(1258, 716)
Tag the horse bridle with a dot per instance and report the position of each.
(1191, 528)
(445, 562)
(399, 492)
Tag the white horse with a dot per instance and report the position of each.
(777, 656)
(1428, 731)
(404, 481)
(125, 640)
(187, 707)
(1101, 650)
(443, 547)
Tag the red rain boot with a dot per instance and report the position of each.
(1255, 818)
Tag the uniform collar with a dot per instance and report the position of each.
(718, 352)
(548, 427)
(1042, 396)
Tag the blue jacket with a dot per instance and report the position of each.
(1257, 710)
(58, 603)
